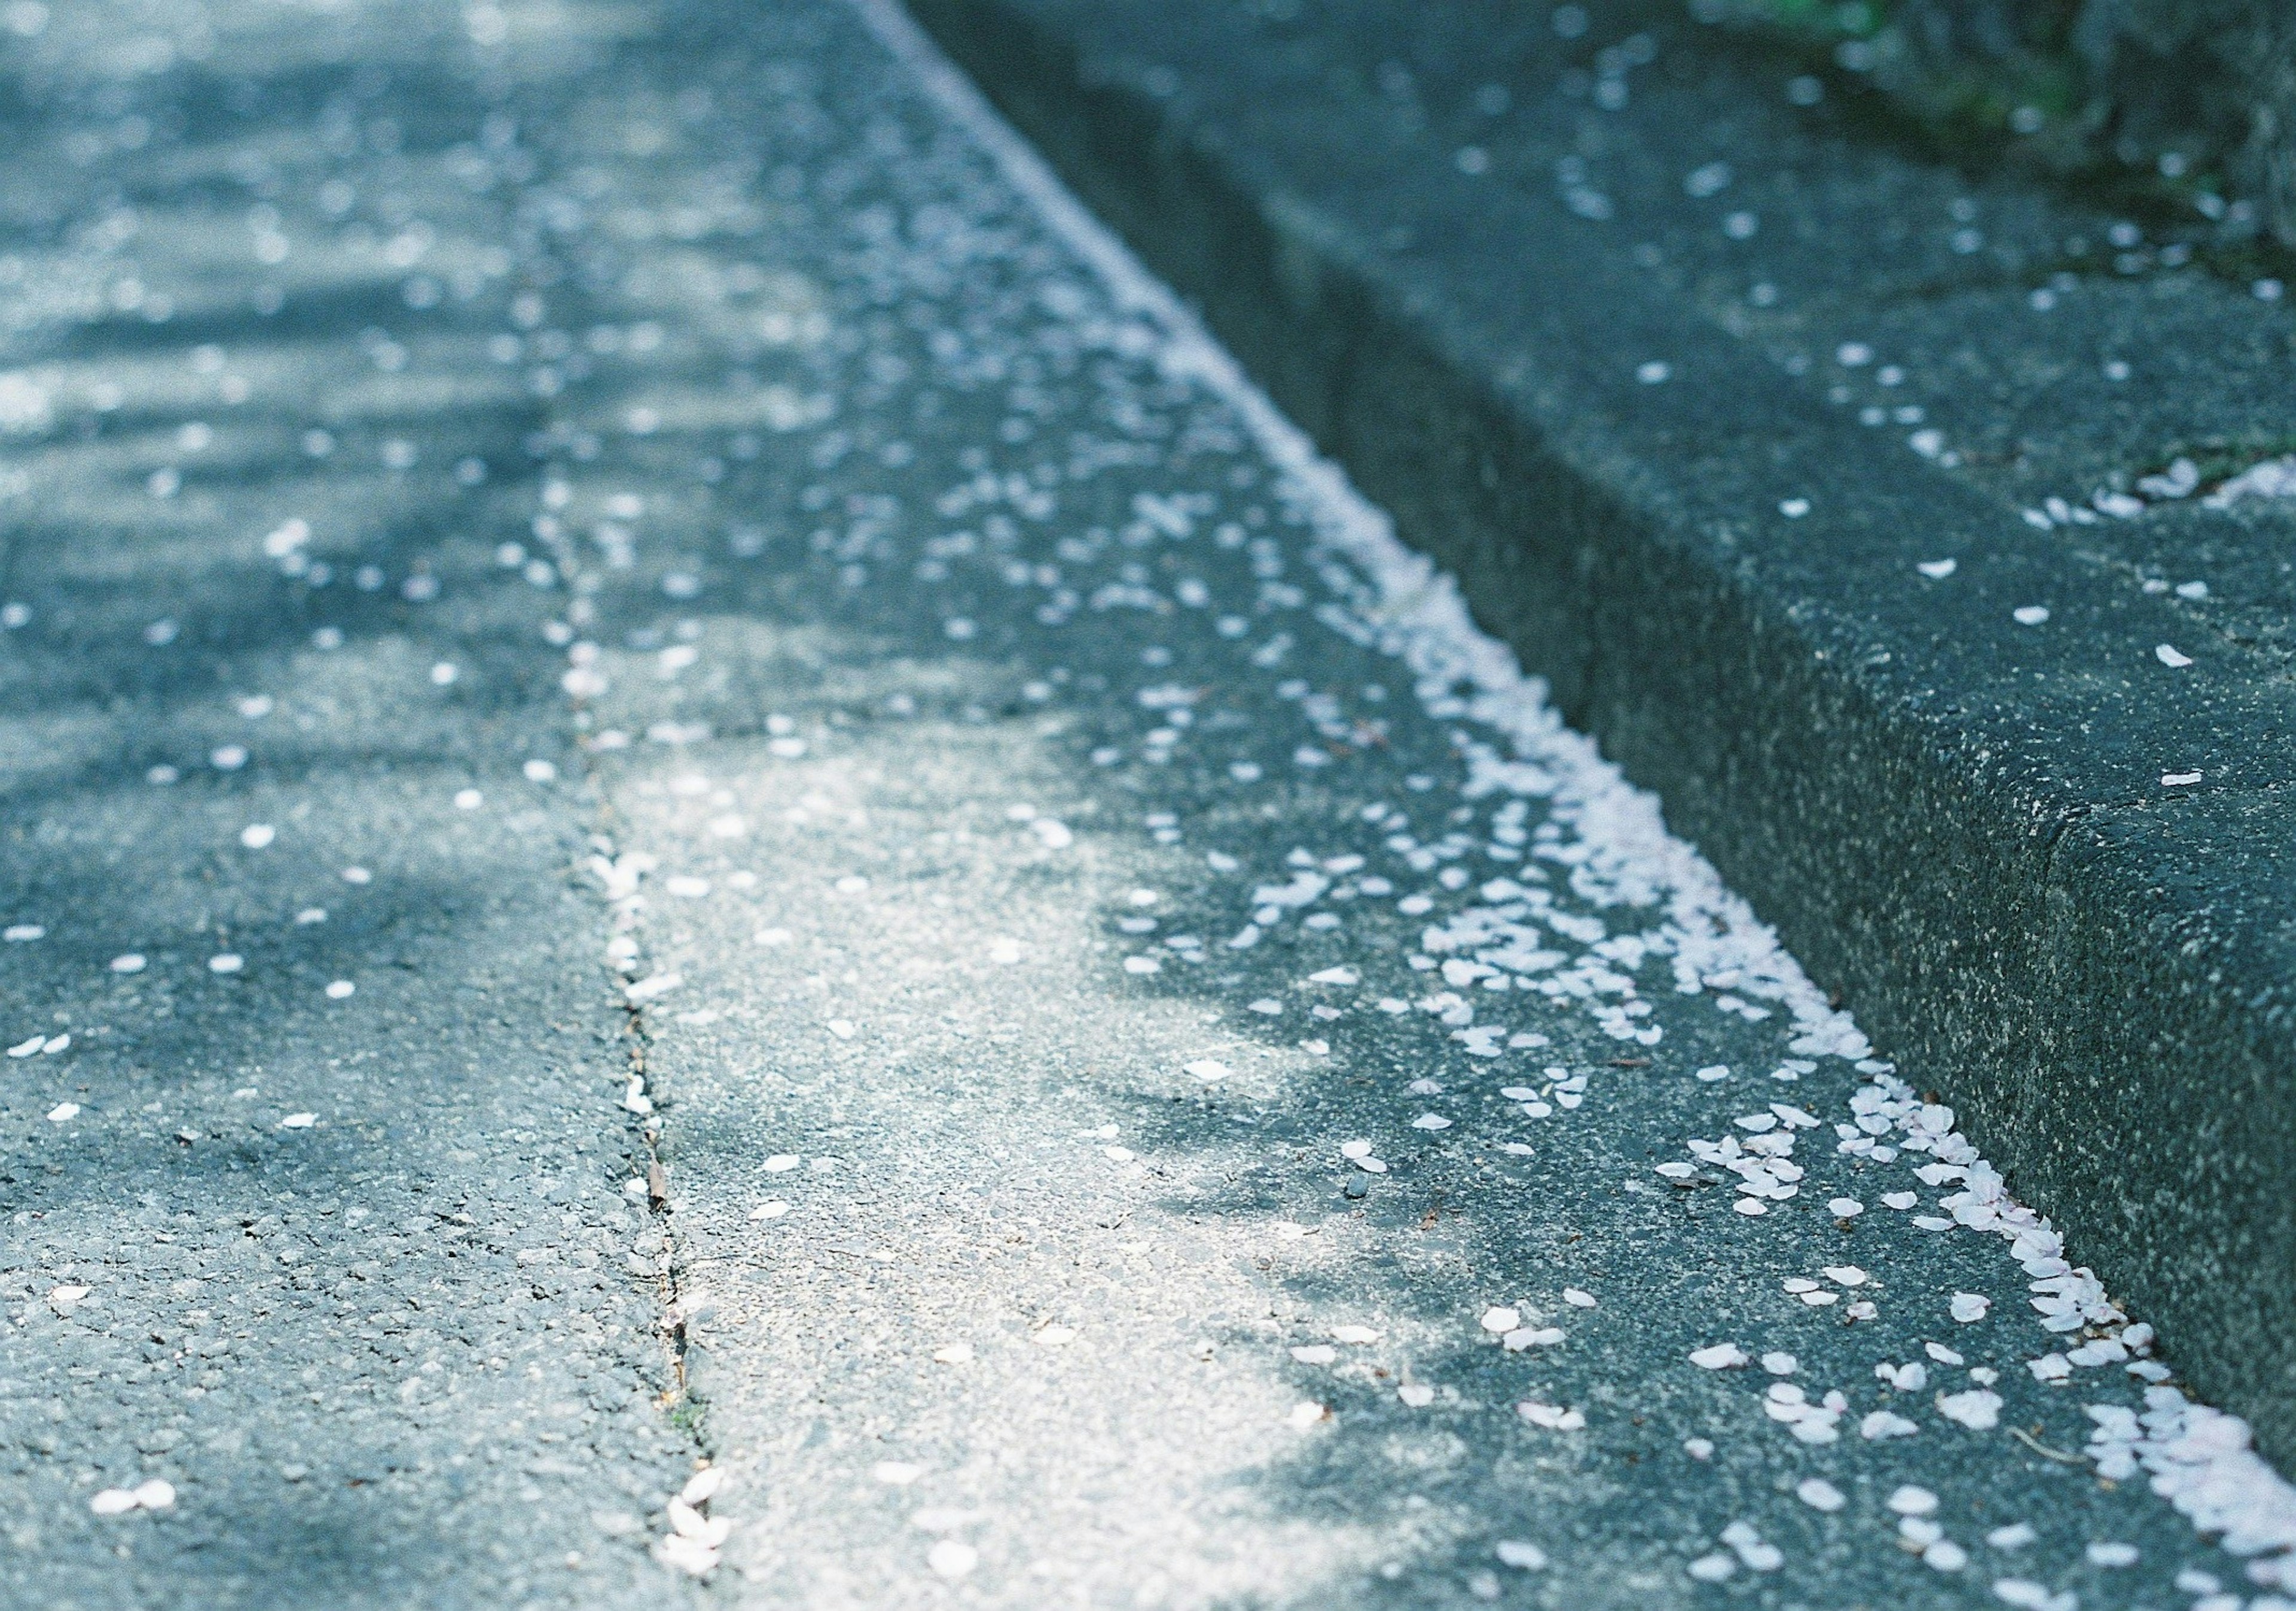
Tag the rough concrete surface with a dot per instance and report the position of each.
(316, 1220)
(960, 960)
(1830, 490)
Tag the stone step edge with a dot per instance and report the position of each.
(2137, 1190)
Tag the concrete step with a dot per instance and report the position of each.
(1768, 447)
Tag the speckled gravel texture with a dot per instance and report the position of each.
(1836, 490)
(1071, 935)
(355, 1269)
(1167, 1077)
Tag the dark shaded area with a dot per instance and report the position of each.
(326, 1337)
(2176, 108)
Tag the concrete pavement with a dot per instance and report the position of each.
(953, 937)
(1908, 527)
